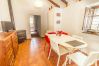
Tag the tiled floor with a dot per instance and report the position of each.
(31, 53)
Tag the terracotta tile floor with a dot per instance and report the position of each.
(31, 53)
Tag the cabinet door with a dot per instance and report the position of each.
(8, 50)
(7, 44)
(9, 57)
(2, 54)
(15, 43)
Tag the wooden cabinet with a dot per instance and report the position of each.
(21, 35)
(2, 55)
(8, 48)
(15, 42)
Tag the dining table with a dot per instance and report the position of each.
(70, 43)
(67, 41)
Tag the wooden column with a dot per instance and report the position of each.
(11, 13)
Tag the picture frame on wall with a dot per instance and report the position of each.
(58, 22)
(58, 14)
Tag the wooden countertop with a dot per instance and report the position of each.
(4, 35)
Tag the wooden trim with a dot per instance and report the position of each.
(65, 2)
(11, 13)
(55, 4)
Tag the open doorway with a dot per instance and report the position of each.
(35, 25)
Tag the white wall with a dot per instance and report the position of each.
(73, 16)
(22, 10)
(4, 12)
(53, 18)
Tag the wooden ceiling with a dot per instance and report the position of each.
(65, 2)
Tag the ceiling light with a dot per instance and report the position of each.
(38, 3)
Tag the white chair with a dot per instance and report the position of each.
(82, 60)
(59, 50)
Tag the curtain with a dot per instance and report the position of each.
(88, 17)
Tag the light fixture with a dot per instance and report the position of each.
(38, 3)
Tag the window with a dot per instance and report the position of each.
(95, 21)
(91, 20)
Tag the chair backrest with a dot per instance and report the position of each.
(55, 47)
(92, 58)
(47, 39)
(51, 32)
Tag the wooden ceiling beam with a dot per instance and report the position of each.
(65, 2)
(55, 4)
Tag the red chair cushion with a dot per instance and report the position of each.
(64, 33)
(52, 33)
(61, 32)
